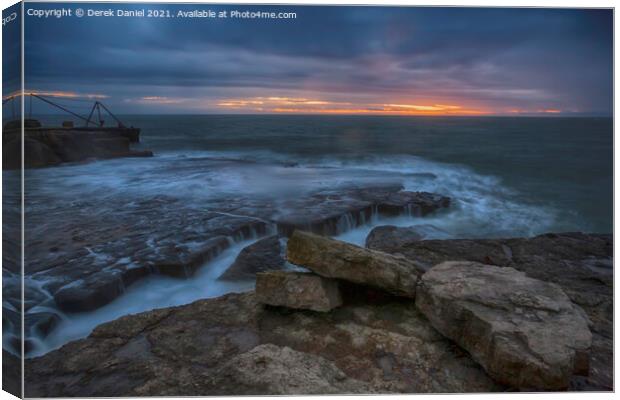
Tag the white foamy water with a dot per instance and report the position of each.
(482, 205)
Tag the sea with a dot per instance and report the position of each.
(507, 177)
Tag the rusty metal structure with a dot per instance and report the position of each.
(98, 109)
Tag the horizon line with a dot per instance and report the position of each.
(541, 115)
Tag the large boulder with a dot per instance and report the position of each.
(300, 290)
(580, 263)
(335, 259)
(526, 333)
(264, 255)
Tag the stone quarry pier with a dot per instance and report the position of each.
(46, 146)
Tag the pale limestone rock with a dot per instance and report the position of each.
(526, 333)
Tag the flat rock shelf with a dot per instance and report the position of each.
(96, 252)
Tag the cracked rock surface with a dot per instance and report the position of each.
(525, 332)
(194, 349)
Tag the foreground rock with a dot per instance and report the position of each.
(379, 340)
(195, 349)
(282, 371)
(300, 290)
(264, 255)
(526, 333)
(335, 259)
(581, 264)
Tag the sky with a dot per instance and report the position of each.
(328, 60)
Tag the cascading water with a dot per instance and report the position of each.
(155, 291)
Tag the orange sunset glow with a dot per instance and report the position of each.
(301, 105)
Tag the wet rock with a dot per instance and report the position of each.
(413, 203)
(95, 261)
(391, 236)
(281, 371)
(89, 295)
(526, 333)
(180, 262)
(324, 215)
(42, 322)
(394, 237)
(189, 350)
(298, 290)
(264, 255)
(333, 212)
(562, 258)
(335, 259)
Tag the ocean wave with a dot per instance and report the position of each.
(482, 204)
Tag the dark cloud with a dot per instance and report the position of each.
(526, 59)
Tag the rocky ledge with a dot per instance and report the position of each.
(470, 327)
(581, 264)
(45, 147)
(82, 256)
